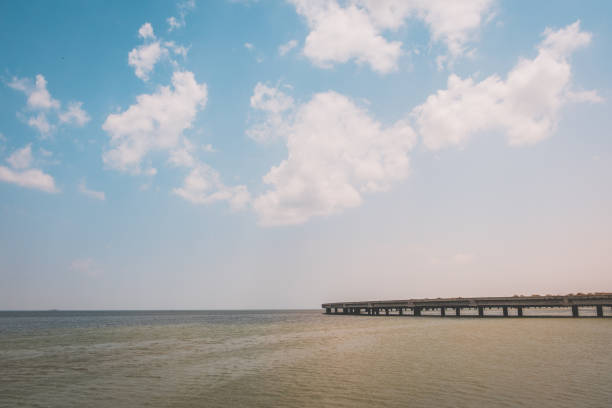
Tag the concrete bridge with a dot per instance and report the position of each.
(456, 305)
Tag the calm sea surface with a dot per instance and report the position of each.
(301, 359)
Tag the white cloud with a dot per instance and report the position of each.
(23, 175)
(31, 178)
(98, 195)
(524, 106)
(203, 186)
(146, 31)
(339, 34)
(41, 123)
(75, 114)
(48, 109)
(336, 153)
(38, 95)
(270, 99)
(155, 122)
(22, 158)
(183, 156)
(177, 49)
(144, 58)
(183, 8)
(355, 32)
(173, 23)
(285, 48)
(249, 46)
(272, 102)
(455, 23)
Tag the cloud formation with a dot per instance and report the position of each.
(272, 105)
(23, 175)
(336, 153)
(43, 112)
(203, 186)
(525, 106)
(144, 57)
(354, 31)
(283, 49)
(98, 195)
(184, 7)
(156, 122)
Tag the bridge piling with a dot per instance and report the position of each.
(415, 307)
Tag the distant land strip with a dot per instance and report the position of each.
(516, 302)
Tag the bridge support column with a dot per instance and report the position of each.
(417, 311)
(335, 310)
(505, 309)
(519, 311)
(328, 310)
(387, 312)
(401, 311)
(480, 311)
(377, 311)
(575, 312)
(600, 311)
(442, 311)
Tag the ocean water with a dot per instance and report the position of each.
(301, 359)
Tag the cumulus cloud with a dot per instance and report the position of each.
(524, 106)
(22, 175)
(156, 122)
(40, 123)
(272, 103)
(203, 186)
(75, 114)
(288, 46)
(146, 31)
(339, 34)
(144, 57)
(42, 110)
(336, 153)
(98, 195)
(21, 158)
(355, 31)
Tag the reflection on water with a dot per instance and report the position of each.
(301, 358)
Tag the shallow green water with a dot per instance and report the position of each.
(301, 359)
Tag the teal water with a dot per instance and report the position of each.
(301, 359)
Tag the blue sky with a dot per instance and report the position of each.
(278, 154)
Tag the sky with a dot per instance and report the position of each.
(282, 154)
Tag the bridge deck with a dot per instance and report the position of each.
(597, 300)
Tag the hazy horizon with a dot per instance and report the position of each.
(246, 155)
